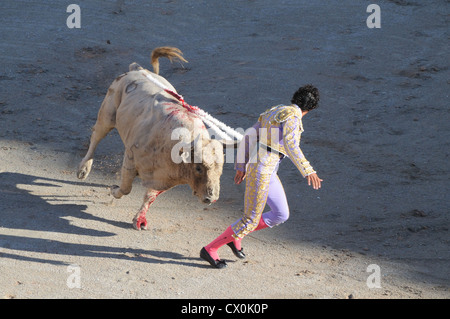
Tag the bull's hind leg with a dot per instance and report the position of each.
(139, 221)
(106, 121)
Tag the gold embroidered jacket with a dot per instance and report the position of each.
(280, 128)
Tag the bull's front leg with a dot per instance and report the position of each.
(106, 121)
(139, 221)
(128, 173)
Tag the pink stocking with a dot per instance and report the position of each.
(261, 225)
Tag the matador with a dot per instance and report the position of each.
(274, 136)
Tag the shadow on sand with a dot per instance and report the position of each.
(22, 210)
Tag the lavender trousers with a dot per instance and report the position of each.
(276, 199)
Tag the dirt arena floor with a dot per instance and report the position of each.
(378, 228)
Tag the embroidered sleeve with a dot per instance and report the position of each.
(246, 147)
(291, 140)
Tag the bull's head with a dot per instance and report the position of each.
(207, 171)
(203, 163)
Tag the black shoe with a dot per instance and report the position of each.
(238, 253)
(219, 264)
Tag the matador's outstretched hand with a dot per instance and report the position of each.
(314, 180)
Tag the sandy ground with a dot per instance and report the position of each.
(380, 140)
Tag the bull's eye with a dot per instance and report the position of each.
(198, 169)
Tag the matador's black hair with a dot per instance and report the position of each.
(307, 97)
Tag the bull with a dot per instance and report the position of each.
(163, 139)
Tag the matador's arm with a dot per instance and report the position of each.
(291, 140)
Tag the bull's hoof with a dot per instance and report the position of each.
(115, 191)
(83, 173)
(84, 169)
(140, 223)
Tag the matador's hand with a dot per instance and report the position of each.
(314, 180)
(239, 177)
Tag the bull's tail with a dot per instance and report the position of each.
(173, 54)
